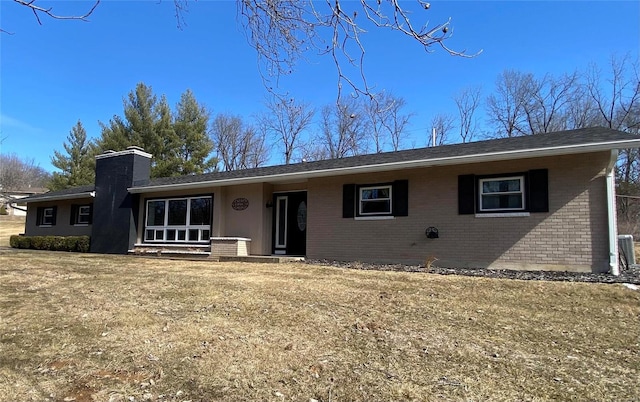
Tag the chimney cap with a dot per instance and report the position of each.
(135, 148)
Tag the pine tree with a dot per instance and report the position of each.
(77, 166)
(179, 146)
(191, 127)
(165, 162)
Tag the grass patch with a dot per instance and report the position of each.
(95, 327)
(10, 225)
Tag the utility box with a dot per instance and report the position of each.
(626, 250)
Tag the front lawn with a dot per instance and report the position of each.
(89, 327)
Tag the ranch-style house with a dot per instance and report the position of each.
(541, 202)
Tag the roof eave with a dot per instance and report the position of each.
(88, 194)
(421, 163)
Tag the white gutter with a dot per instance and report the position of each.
(453, 160)
(614, 268)
(89, 194)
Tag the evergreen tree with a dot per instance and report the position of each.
(77, 166)
(165, 162)
(191, 128)
(178, 147)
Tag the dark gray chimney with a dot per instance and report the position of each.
(115, 211)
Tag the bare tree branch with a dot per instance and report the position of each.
(37, 11)
(283, 31)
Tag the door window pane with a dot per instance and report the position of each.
(282, 221)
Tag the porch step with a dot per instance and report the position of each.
(172, 250)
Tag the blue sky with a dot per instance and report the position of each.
(53, 75)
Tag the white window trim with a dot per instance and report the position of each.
(45, 216)
(375, 214)
(79, 214)
(498, 210)
(165, 226)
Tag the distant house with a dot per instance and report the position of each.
(12, 200)
(543, 202)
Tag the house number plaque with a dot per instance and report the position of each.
(240, 204)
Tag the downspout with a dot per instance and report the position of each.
(614, 268)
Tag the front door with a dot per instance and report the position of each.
(290, 223)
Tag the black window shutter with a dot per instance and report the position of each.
(466, 194)
(90, 214)
(53, 218)
(39, 213)
(74, 214)
(348, 200)
(400, 196)
(538, 191)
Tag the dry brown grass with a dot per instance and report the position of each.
(94, 327)
(9, 226)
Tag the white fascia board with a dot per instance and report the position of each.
(89, 194)
(420, 163)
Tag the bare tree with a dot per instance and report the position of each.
(387, 120)
(344, 130)
(18, 174)
(581, 110)
(259, 148)
(548, 97)
(443, 124)
(618, 96)
(286, 120)
(506, 108)
(238, 147)
(467, 101)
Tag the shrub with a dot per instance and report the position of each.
(83, 245)
(52, 243)
(38, 242)
(17, 241)
(3, 210)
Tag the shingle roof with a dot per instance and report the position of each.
(562, 139)
(581, 140)
(75, 192)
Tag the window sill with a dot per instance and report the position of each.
(80, 224)
(503, 215)
(374, 218)
(45, 226)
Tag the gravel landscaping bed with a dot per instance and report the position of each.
(628, 275)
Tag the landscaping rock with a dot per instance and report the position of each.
(629, 275)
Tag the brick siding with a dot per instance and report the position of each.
(571, 236)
